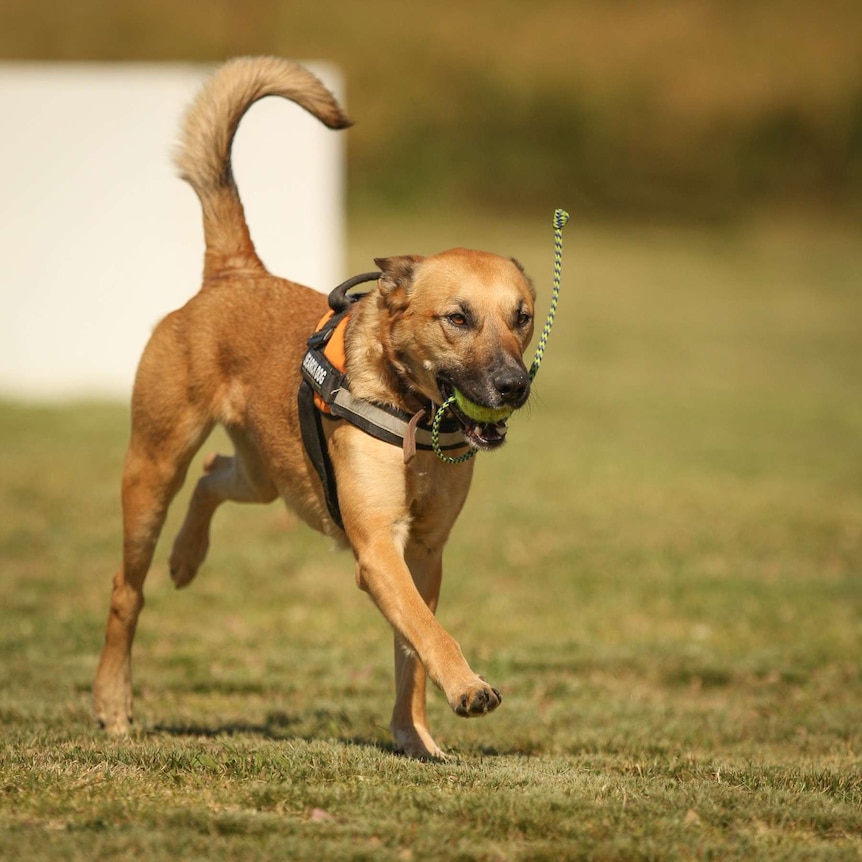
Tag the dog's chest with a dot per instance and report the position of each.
(435, 490)
(420, 484)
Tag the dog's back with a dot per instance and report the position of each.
(199, 360)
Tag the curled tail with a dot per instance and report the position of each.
(204, 153)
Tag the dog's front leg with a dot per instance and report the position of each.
(409, 724)
(377, 515)
(383, 573)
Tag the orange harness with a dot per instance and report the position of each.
(334, 351)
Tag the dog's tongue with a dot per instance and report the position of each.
(485, 434)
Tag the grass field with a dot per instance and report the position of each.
(662, 572)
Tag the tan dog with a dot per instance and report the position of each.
(232, 356)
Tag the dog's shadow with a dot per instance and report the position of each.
(319, 725)
(278, 726)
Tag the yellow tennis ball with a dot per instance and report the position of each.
(485, 415)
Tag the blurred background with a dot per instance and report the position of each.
(650, 110)
(667, 554)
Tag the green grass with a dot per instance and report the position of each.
(662, 571)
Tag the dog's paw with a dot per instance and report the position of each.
(477, 701)
(189, 551)
(182, 574)
(113, 714)
(119, 726)
(417, 743)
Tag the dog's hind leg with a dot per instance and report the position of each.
(240, 479)
(156, 464)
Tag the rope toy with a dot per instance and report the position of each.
(489, 414)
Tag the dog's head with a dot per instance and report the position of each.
(460, 320)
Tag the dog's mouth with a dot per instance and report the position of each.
(480, 435)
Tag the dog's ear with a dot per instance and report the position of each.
(519, 266)
(397, 271)
(396, 279)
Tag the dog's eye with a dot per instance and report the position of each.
(523, 318)
(457, 319)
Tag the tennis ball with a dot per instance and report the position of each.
(485, 415)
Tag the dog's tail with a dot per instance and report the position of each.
(204, 153)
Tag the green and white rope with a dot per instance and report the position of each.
(435, 437)
(561, 217)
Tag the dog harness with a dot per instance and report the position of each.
(324, 393)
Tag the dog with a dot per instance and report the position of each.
(428, 327)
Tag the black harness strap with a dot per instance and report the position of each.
(311, 425)
(340, 300)
(319, 375)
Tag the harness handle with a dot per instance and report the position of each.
(340, 300)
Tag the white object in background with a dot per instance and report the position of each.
(99, 238)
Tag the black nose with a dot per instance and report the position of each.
(513, 384)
